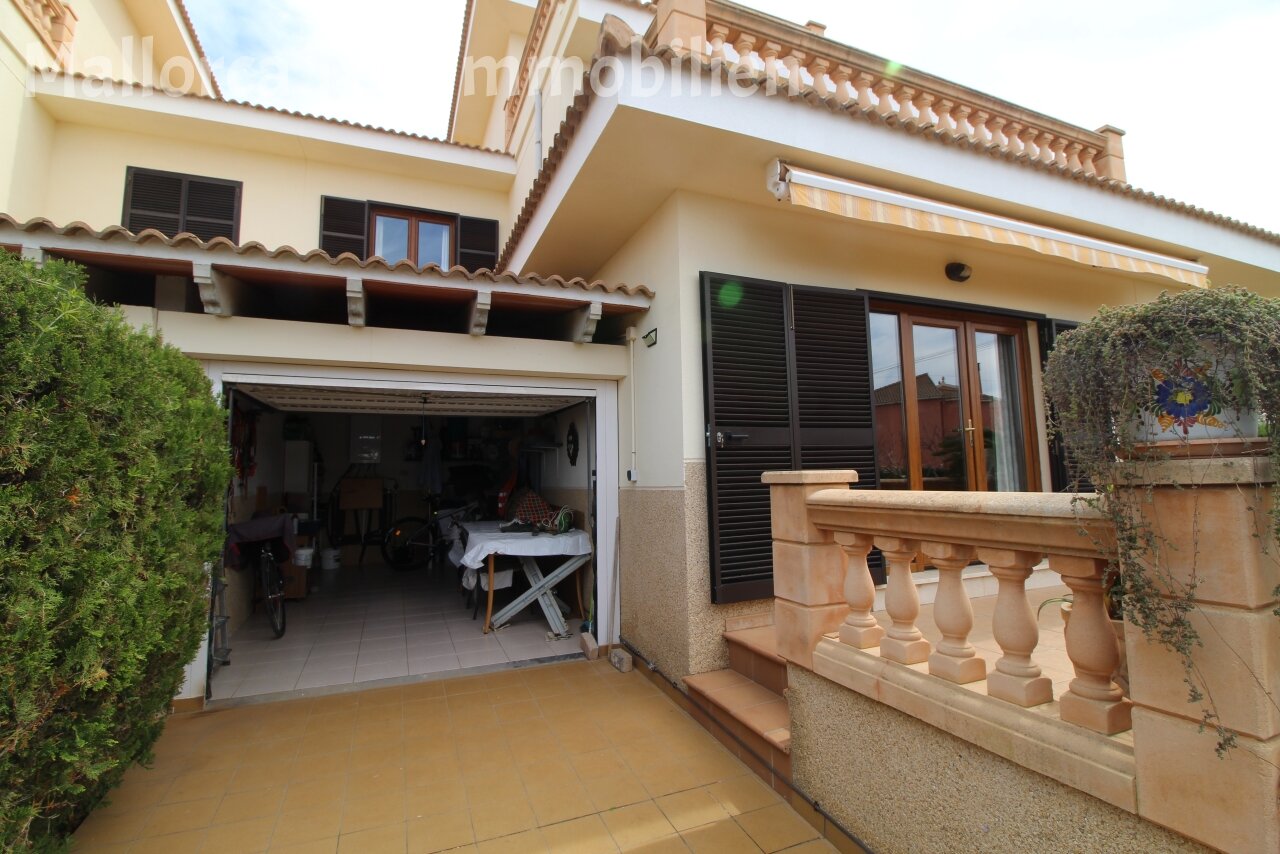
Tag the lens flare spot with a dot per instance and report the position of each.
(892, 69)
(730, 294)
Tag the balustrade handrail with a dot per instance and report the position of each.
(1027, 521)
(781, 49)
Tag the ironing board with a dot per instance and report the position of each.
(483, 541)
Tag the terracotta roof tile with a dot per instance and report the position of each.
(345, 260)
(616, 37)
(200, 54)
(278, 111)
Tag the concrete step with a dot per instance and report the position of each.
(730, 696)
(754, 654)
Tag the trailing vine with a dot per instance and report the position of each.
(1213, 350)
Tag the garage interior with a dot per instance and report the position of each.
(345, 464)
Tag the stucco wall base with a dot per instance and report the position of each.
(667, 613)
(905, 786)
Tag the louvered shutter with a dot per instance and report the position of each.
(1063, 474)
(344, 226)
(477, 243)
(173, 203)
(748, 399)
(152, 200)
(212, 209)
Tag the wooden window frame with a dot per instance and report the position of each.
(967, 324)
(415, 216)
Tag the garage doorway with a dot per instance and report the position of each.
(347, 457)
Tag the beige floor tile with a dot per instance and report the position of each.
(188, 815)
(501, 819)
(241, 837)
(664, 778)
(526, 842)
(637, 824)
(308, 825)
(722, 837)
(375, 811)
(241, 806)
(315, 846)
(666, 845)
(319, 790)
(586, 835)
(319, 764)
(260, 775)
(433, 799)
(744, 794)
(189, 840)
(194, 786)
(440, 832)
(561, 805)
(814, 846)
(694, 808)
(109, 829)
(777, 827)
(620, 790)
(389, 839)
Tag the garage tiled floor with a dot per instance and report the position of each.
(376, 623)
(569, 757)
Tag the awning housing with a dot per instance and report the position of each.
(867, 203)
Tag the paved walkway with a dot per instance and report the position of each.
(572, 757)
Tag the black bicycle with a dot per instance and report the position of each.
(272, 588)
(414, 541)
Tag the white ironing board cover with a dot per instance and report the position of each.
(484, 539)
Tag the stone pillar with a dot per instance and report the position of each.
(679, 22)
(1216, 529)
(808, 564)
(1110, 164)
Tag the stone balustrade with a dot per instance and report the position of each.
(1009, 532)
(53, 21)
(795, 59)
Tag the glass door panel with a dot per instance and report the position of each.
(1004, 445)
(892, 458)
(940, 406)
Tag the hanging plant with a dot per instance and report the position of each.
(1193, 374)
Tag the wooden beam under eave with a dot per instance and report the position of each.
(219, 291)
(357, 305)
(479, 319)
(34, 254)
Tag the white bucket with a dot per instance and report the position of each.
(331, 559)
(303, 557)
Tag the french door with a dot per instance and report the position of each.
(953, 401)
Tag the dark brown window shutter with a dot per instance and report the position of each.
(1063, 472)
(344, 226)
(477, 243)
(173, 203)
(787, 373)
(749, 427)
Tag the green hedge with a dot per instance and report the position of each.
(113, 470)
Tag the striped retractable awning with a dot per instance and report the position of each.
(866, 203)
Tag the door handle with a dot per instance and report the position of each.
(724, 437)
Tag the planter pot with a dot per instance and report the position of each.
(1186, 405)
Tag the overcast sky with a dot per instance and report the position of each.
(1191, 82)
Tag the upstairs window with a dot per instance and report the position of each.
(423, 237)
(173, 203)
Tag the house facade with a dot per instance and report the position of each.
(741, 246)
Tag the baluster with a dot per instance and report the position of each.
(745, 45)
(903, 96)
(818, 70)
(859, 629)
(1059, 146)
(718, 34)
(954, 659)
(924, 106)
(1014, 135)
(769, 55)
(882, 89)
(1016, 678)
(946, 121)
(1073, 156)
(1044, 142)
(1086, 160)
(981, 134)
(864, 82)
(998, 138)
(903, 642)
(1094, 701)
(793, 62)
(961, 114)
(844, 91)
(1028, 138)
